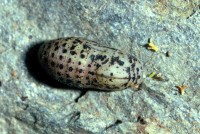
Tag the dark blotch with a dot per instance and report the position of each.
(80, 70)
(79, 63)
(52, 55)
(86, 47)
(69, 38)
(72, 52)
(79, 82)
(58, 73)
(89, 65)
(95, 80)
(70, 69)
(133, 78)
(92, 73)
(67, 76)
(52, 64)
(130, 59)
(82, 51)
(98, 65)
(60, 57)
(77, 41)
(45, 52)
(129, 73)
(73, 47)
(56, 43)
(64, 50)
(92, 57)
(100, 57)
(61, 66)
(82, 56)
(133, 65)
(56, 48)
(111, 74)
(105, 61)
(64, 44)
(69, 60)
(116, 59)
(49, 46)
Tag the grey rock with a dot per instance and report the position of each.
(31, 102)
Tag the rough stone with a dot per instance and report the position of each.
(31, 102)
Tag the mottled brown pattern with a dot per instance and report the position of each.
(86, 64)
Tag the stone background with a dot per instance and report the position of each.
(32, 103)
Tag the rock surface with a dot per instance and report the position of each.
(31, 102)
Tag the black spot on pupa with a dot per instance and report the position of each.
(52, 55)
(87, 78)
(116, 59)
(86, 47)
(133, 78)
(130, 59)
(69, 60)
(61, 66)
(92, 57)
(98, 65)
(73, 47)
(111, 74)
(79, 63)
(49, 46)
(52, 64)
(77, 41)
(67, 75)
(64, 50)
(60, 57)
(56, 48)
(89, 65)
(100, 57)
(129, 73)
(104, 62)
(79, 82)
(70, 69)
(45, 52)
(56, 43)
(95, 80)
(82, 56)
(80, 70)
(82, 51)
(64, 44)
(58, 73)
(72, 52)
(133, 65)
(92, 73)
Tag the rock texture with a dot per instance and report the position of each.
(31, 102)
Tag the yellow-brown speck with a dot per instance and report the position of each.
(182, 89)
(151, 46)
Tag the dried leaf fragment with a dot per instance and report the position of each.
(182, 89)
(152, 46)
